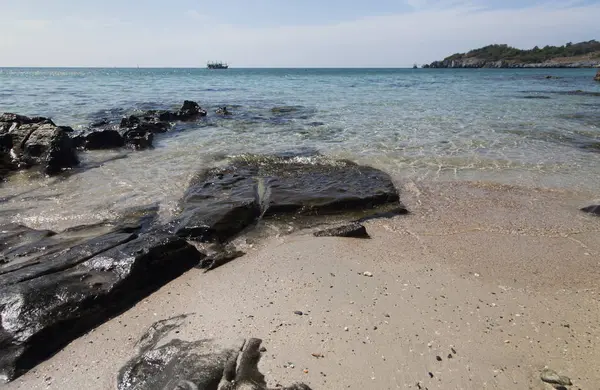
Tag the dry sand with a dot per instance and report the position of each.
(496, 281)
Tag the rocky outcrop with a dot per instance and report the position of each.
(222, 202)
(26, 142)
(135, 131)
(54, 287)
(167, 362)
(481, 63)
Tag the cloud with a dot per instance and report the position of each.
(433, 31)
(197, 16)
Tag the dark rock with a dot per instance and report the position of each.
(298, 313)
(220, 258)
(165, 362)
(354, 230)
(95, 139)
(36, 142)
(218, 205)
(138, 138)
(144, 124)
(190, 110)
(222, 111)
(222, 202)
(593, 209)
(47, 302)
(137, 219)
(597, 77)
(136, 131)
(14, 236)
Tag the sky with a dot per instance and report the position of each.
(279, 33)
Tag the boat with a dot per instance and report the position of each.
(217, 65)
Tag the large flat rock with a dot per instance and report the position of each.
(50, 298)
(221, 202)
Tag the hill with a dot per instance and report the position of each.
(571, 55)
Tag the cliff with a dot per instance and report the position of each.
(577, 55)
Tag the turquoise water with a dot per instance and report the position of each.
(509, 126)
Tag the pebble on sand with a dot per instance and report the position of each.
(552, 377)
(368, 274)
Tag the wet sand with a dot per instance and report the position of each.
(480, 287)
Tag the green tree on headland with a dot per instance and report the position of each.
(535, 55)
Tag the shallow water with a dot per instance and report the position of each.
(506, 126)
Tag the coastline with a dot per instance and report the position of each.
(504, 275)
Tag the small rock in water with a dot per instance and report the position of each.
(552, 377)
(353, 230)
(368, 274)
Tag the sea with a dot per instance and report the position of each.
(508, 126)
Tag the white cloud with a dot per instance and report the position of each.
(431, 32)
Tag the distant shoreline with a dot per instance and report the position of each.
(580, 55)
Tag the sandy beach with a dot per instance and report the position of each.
(480, 287)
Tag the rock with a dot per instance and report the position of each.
(138, 138)
(597, 77)
(166, 362)
(218, 205)
(593, 209)
(190, 110)
(552, 377)
(136, 131)
(95, 139)
(221, 202)
(50, 300)
(222, 111)
(220, 258)
(36, 142)
(354, 230)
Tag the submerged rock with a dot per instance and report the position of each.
(353, 230)
(593, 209)
(221, 202)
(35, 142)
(54, 287)
(166, 362)
(222, 111)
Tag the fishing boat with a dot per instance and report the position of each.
(217, 65)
